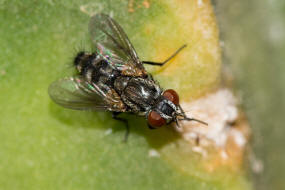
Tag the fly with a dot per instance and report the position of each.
(114, 79)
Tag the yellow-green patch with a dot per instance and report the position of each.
(44, 146)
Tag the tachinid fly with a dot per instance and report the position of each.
(113, 78)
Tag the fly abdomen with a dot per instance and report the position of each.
(83, 61)
(79, 57)
(95, 69)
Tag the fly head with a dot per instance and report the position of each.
(167, 110)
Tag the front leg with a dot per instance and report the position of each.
(168, 59)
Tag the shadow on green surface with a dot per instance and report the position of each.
(156, 138)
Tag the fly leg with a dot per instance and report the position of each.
(168, 59)
(115, 116)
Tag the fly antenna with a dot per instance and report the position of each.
(193, 119)
(176, 121)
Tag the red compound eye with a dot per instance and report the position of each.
(155, 120)
(172, 96)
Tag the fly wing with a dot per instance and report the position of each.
(77, 93)
(114, 46)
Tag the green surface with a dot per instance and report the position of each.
(253, 33)
(44, 146)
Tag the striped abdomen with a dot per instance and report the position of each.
(94, 68)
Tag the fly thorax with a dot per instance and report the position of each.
(141, 92)
(120, 84)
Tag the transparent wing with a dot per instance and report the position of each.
(114, 46)
(76, 93)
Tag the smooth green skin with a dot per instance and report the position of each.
(44, 146)
(254, 36)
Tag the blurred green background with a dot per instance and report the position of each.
(44, 146)
(253, 36)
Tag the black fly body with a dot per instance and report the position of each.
(114, 79)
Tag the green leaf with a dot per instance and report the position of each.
(44, 146)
